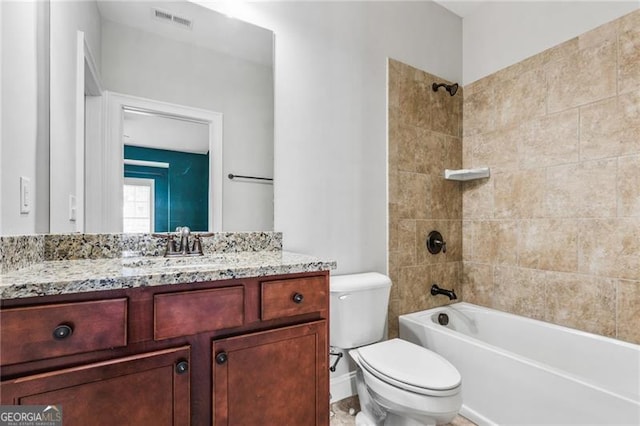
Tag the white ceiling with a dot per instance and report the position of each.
(462, 8)
(153, 131)
(210, 29)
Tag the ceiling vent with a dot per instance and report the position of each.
(163, 15)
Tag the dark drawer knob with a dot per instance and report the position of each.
(182, 367)
(221, 358)
(297, 298)
(62, 332)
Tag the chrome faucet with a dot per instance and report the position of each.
(435, 290)
(183, 248)
(183, 232)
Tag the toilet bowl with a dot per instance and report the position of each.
(398, 383)
(403, 384)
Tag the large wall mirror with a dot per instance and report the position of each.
(153, 105)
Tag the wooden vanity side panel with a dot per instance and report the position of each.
(191, 312)
(27, 333)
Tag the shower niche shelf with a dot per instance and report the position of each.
(467, 174)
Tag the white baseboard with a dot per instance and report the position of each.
(343, 386)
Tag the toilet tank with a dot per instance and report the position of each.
(358, 309)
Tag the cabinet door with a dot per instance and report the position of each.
(278, 377)
(147, 389)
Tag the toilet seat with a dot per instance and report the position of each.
(410, 367)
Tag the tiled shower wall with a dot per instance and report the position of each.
(425, 130)
(554, 233)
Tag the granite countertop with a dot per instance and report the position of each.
(77, 276)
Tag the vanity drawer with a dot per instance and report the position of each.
(47, 331)
(191, 312)
(285, 298)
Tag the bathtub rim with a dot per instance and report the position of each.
(472, 306)
(437, 328)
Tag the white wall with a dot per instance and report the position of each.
(331, 135)
(19, 112)
(67, 17)
(499, 34)
(142, 64)
(1, 117)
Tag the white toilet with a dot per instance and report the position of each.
(399, 383)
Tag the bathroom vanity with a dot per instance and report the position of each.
(232, 339)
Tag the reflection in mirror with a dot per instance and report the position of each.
(166, 172)
(176, 54)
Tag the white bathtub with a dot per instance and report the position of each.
(518, 371)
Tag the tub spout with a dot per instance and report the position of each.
(435, 290)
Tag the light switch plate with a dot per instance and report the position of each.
(72, 208)
(25, 195)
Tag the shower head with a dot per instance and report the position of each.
(451, 88)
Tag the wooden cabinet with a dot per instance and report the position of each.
(147, 389)
(285, 298)
(51, 330)
(192, 312)
(276, 377)
(235, 352)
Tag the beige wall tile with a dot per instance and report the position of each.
(629, 311)
(394, 188)
(519, 291)
(414, 194)
(629, 186)
(498, 149)
(549, 244)
(394, 274)
(610, 248)
(394, 239)
(629, 60)
(519, 194)
(468, 227)
(394, 129)
(610, 127)
(479, 113)
(495, 242)
(561, 51)
(446, 199)
(393, 322)
(520, 98)
(445, 110)
(415, 282)
(406, 142)
(477, 282)
(550, 141)
(450, 154)
(414, 100)
(584, 302)
(583, 77)
(629, 21)
(429, 146)
(467, 152)
(394, 212)
(448, 276)
(569, 187)
(480, 85)
(394, 84)
(477, 199)
(607, 33)
(406, 242)
(567, 183)
(419, 151)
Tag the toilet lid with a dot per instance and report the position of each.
(408, 363)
